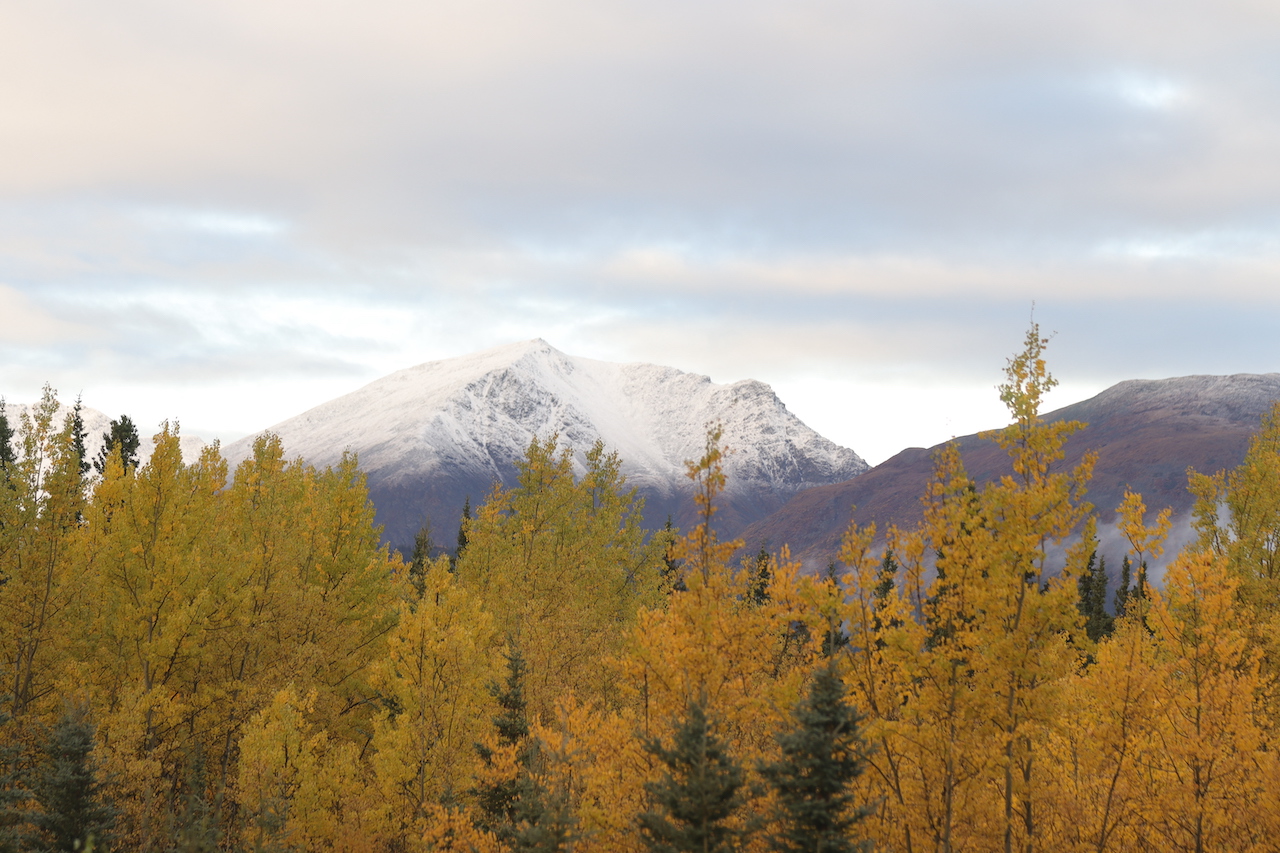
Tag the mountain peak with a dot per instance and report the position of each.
(431, 435)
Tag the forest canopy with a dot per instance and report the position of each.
(199, 659)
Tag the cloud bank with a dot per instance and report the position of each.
(229, 211)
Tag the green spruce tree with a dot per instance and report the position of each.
(78, 435)
(463, 524)
(697, 800)
(497, 800)
(13, 794)
(1124, 591)
(1098, 623)
(122, 434)
(758, 587)
(672, 579)
(822, 754)
(195, 825)
(524, 813)
(8, 453)
(420, 558)
(70, 808)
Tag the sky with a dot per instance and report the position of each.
(225, 213)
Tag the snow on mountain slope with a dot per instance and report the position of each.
(432, 435)
(95, 424)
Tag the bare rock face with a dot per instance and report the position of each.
(433, 435)
(1147, 433)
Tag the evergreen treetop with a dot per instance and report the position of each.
(700, 793)
(67, 791)
(822, 754)
(121, 435)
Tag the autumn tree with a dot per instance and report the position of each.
(209, 599)
(1237, 517)
(563, 565)
(40, 515)
(433, 681)
(1203, 775)
(709, 643)
(964, 660)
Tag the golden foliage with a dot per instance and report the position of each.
(247, 644)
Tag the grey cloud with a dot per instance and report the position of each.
(825, 186)
(823, 123)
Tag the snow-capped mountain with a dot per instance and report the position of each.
(431, 436)
(95, 423)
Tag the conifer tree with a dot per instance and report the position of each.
(13, 792)
(497, 798)
(758, 585)
(421, 558)
(1093, 596)
(697, 799)
(66, 788)
(195, 819)
(519, 809)
(123, 435)
(463, 524)
(1125, 590)
(78, 435)
(8, 455)
(821, 757)
(672, 578)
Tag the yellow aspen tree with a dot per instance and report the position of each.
(563, 565)
(453, 830)
(316, 595)
(1205, 791)
(940, 747)
(745, 656)
(1145, 543)
(600, 758)
(883, 634)
(440, 662)
(1103, 737)
(1103, 743)
(1237, 517)
(209, 599)
(1030, 614)
(157, 595)
(298, 788)
(41, 499)
(981, 642)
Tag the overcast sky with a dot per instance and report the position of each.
(227, 212)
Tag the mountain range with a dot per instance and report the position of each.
(1147, 434)
(432, 436)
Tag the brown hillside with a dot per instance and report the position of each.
(1147, 433)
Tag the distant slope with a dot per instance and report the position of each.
(1147, 434)
(432, 435)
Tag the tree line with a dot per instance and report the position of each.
(198, 661)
